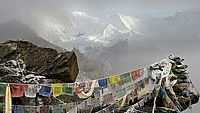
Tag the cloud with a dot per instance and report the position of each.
(17, 9)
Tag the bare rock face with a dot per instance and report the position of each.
(45, 62)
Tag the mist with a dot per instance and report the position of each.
(165, 27)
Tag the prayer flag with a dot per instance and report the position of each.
(58, 108)
(114, 79)
(3, 89)
(125, 78)
(125, 75)
(31, 109)
(103, 83)
(44, 109)
(56, 89)
(17, 90)
(32, 90)
(45, 90)
(66, 89)
(144, 90)
(135, 74)
(18, 109)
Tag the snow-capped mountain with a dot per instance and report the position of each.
(80, 29)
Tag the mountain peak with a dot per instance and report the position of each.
(79, 13)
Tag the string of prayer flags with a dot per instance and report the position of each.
(32, 90)
(58, 108)
(45, 90)
(18, 109)
(44, 109)
(17, 90)
(56, 89)
(3, 89)
(67, 89)
(103, 83)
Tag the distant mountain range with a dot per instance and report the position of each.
(78, 29)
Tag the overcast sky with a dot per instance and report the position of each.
(158, 32)
(10, 9)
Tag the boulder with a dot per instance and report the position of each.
(45, 62)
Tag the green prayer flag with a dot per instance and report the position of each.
(58, 108)
(3, 89)
(68, 90)
(125, 75)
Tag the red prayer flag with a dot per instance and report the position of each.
(135, 74)
(17, 90)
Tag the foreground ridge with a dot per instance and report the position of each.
(164, 86)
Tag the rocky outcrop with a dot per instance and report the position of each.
(183, 84)
(46, 62)
(182, 87)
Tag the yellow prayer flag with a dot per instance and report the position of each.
(56, 89)
(144, 90)
(114, 79)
